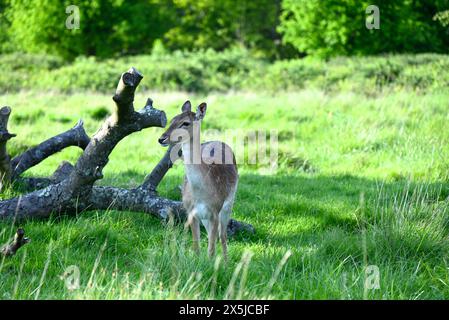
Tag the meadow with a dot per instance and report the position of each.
(362, 180)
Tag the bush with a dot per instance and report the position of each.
(236, 69)
(362, 74)
(196, 72)
(82, 74)
(20, 71)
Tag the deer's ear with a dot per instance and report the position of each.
(201, 111)
(186, 106)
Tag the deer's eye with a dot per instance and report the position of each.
(185, 124)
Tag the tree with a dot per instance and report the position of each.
(4, 41)
(442, 17)
(106, 27)
(202, 24)
(337, 27)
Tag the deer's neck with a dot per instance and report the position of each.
(191, 152)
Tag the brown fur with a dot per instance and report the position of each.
(210, 184)
(219, 178)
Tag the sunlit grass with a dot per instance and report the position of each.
(392, 148)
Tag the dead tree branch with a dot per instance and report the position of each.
(11, 248)
(155, 177)
(76, 136)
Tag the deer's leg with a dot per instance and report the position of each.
(195, 226)
(224, 239)
(213, 235)
(225, 216)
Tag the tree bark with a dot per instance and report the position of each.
(11, 248)
(5, 159)
(76, 136)
(152, 180)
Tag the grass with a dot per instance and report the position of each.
(362, 181)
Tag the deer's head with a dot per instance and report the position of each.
(182, 126)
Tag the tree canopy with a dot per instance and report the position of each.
(268, 28)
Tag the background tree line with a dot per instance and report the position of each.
(267, 28)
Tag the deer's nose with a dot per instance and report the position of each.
(162, 140)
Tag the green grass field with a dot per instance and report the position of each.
(362, 181)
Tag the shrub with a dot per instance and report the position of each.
(236, 69)
(19, 70)
(196, 72)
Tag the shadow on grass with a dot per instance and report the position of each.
(302, 206)
(287, 208)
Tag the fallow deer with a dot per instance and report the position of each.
(211, 177)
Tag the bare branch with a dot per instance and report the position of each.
(11, 248)
(76, 136)
(152, 180)
(124, 94)
(61, 173)
(111, 198)
(139, 200)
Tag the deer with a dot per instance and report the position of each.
(211, 177)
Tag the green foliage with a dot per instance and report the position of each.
(200, 71)
(4, 39)
(205, 24)
(267, 28)
(21, 71)
(330, 28)
(443, 18)
(107, 28)
(368, 75)
(208, 70)
(115, 27)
